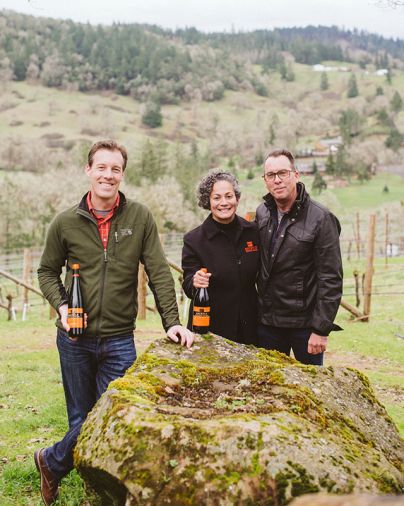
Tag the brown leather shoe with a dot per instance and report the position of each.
(49, 484)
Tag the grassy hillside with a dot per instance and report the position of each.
(238, 125)
(47, 131)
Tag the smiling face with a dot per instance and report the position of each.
(223, 202)
(105, 174)
(283, 190)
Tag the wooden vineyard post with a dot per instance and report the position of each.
(10, 308)
(369, 266)
(27, 269)
(356, 277)
(358, 236)
(141, 293)
(386, 242)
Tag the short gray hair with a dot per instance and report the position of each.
(205, 187)
(282, 152)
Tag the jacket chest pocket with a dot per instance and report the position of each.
(125, 244)
(300, 242)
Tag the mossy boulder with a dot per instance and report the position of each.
(224, 424)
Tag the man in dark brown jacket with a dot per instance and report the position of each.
(300, 280)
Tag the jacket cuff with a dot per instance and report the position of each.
(172, 324)
(320, 332)
(323, 332)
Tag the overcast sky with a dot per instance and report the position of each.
(218, 15)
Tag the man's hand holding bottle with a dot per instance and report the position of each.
(63, 312)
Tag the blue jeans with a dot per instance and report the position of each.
(88, 366)
(287, 339)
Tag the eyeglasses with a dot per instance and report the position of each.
(282, 174)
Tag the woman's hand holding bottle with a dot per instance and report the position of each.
(201, 278)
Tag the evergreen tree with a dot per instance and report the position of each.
(319, 183)
(231, 164)
(259, 158)
(342, 167)
(148, 163)
(384, 61)
(324, 84)
(330, 165)
(290, 75)
(161, 155)
(283, 70)
(396, 102)
(272, 135)
(349, 125)
(384, 118)
(260, 88)
(152, 116)
(363, 172)
(379, 91)
(250, 173)
(394, 139)
(352, 87)
(314, 168)
(389, 77)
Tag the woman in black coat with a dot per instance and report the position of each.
(227, 246)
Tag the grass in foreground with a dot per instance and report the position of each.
(32, 410)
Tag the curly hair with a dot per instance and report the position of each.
(205, 187)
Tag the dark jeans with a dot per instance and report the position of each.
(286, 339)
(88, 366)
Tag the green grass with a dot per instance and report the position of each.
(32, 410)
(397, 414)
(366, 197)
(32, 407)
(370, 195)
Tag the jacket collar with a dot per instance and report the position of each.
(301, 200)
(83, 206)
(211, 229)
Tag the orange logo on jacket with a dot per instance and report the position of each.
(250, 247)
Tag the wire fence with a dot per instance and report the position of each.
(388, 272)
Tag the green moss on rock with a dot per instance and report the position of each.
(235, 425)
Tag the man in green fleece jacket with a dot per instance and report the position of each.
(108, 236)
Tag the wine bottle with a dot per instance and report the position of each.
(75, 312)
(201, 310)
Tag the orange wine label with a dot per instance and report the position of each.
(201, 316)
(75, 317)
(250, 247)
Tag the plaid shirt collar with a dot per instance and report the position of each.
(103, 222)
(92, 210)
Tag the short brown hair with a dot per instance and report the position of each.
(282, 152)
(110, 146)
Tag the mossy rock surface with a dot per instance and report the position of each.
(224, 424)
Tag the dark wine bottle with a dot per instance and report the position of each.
(201, 310)
(75, 312)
